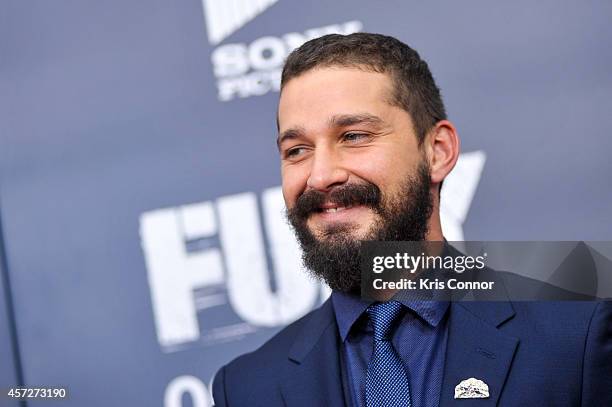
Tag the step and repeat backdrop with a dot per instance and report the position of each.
(143, 243)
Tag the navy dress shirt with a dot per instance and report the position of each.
(420, 340)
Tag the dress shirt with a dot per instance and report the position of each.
(419, 339)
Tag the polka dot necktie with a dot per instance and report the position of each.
(386, 379)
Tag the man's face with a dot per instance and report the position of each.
(351, 169)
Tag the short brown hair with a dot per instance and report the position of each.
(415, 90)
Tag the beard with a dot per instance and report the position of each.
(335, 256)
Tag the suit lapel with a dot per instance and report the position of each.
(316, 378)
(476, 348)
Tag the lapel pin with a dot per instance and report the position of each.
(472, 388)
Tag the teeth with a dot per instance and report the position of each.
(341, 208)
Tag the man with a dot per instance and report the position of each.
(365, 146)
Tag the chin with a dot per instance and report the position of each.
(342, 232)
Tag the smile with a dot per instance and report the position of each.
(336, 209)
(337, 213)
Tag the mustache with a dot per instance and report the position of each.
(366, 194)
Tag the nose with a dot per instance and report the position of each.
(326, 171)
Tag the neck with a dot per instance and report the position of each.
(434, 225)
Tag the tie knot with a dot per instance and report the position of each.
(384, 315)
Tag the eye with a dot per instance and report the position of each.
(352, 137)
(294, 152)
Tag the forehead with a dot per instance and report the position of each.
(321, 93)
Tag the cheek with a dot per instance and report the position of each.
(381, 168)
(293, 185)
(389, 173)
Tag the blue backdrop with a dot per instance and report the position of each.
(141, 215)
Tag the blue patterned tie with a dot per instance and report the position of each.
(386, 379)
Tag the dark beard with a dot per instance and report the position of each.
(335, 258)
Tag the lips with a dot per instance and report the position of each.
(350, 196)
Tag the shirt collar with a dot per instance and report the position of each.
(348, 308)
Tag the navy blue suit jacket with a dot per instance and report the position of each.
(529, 354)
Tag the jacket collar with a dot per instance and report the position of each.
(316, 378)
(476, 348)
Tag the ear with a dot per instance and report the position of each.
(442, 149)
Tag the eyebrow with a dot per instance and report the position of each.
(342, 120)
(289, 134)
